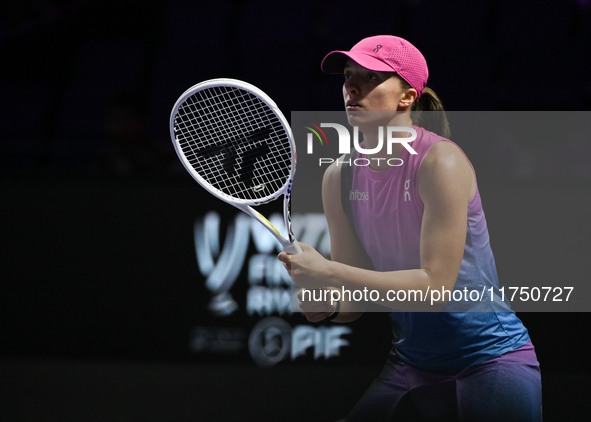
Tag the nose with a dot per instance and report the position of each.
(351, 86)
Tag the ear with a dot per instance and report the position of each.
(409, 96)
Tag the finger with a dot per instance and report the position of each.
(308, 293)
(316, 317)
(314, 307)
(312, 294)
(284, 257)
(300, 294)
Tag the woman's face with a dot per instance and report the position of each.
(373, 99)
(368, 90)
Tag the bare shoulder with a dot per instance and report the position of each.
(446, 166)
(445, 153)
(332, 175)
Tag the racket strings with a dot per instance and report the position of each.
(234, 141)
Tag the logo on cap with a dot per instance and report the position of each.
(377, 48)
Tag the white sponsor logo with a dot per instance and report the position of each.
(273, 340)
(358, 196)
(269, 289)
(406, 192)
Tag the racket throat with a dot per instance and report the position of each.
(293, 247)
(290, 245)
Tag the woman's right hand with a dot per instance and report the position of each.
(316, 310)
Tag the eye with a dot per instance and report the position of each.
(347, 75)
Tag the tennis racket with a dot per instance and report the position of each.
(236, 143)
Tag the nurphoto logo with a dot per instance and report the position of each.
(345, 143)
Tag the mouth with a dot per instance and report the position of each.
(352, 106)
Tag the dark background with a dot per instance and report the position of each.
(99, 286)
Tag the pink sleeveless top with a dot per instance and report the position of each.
(387, 213)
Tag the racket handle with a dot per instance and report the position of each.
(293, 248)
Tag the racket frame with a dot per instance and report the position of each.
(289, 244)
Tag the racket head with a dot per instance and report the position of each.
(234, 141)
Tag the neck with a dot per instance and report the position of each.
(371, 139)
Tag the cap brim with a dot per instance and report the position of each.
(334, 62)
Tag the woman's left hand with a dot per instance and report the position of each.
(309, 269)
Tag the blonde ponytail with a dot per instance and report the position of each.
(435, 119)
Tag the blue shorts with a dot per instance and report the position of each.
(507, 388)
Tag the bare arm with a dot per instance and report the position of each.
(345, 247)
(446, 185)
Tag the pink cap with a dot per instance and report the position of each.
(383, 53)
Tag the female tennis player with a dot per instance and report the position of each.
(419, 228)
